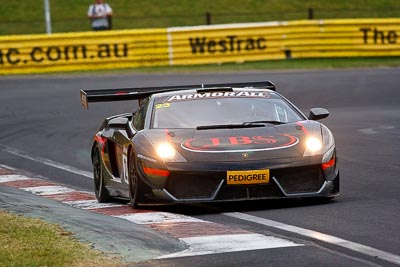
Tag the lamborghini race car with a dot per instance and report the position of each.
(208, 143)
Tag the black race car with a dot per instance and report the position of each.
(206, 143)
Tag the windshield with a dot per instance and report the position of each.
(222, 111)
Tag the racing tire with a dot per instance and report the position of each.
(135, 184)
(100, 189)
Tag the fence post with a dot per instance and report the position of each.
(47, 16)
(310, 13)
(208, 18)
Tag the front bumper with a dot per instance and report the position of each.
(285, 182)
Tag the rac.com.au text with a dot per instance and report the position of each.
(41, 54)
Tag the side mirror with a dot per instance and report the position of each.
(118, 122)
(318, 114)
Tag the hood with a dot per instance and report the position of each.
(238, 144)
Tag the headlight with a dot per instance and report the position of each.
(313, 144)
(319, 144)
(165, 151)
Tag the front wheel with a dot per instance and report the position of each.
(100, 189)
(135, 184)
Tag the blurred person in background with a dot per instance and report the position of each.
(100, 14)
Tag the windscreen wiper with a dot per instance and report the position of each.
(228, 126)
(247, 123)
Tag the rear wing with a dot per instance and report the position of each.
(107, 95)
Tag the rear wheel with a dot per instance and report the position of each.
(135, 184)
(100, 189)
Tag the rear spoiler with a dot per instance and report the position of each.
(106, 95)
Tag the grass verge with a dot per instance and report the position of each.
(33, 242)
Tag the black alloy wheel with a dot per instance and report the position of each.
(135, 185)
(100, 190)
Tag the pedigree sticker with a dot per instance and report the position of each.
(247, 177)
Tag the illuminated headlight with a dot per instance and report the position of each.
(319, 144)
(313, 144)
(165, 151)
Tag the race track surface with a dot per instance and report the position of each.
(45, 131)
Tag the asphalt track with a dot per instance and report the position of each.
(41, 119)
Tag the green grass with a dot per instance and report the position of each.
(33, 242)
(27, 16)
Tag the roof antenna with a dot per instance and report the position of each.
(202, 85)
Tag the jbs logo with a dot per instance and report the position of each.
(239, 143)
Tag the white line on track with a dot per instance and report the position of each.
(366, 250)
(90, 204)
(48, 190)
(13, 178)
(7, 167)
(46, 161)
(158, 217)
(203, 245)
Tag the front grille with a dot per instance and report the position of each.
(300, 179)
(202, 185)
(187, 185)
(193, 185)
(231, 192)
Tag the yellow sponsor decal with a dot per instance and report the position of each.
(247, 177)
(83, 51)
